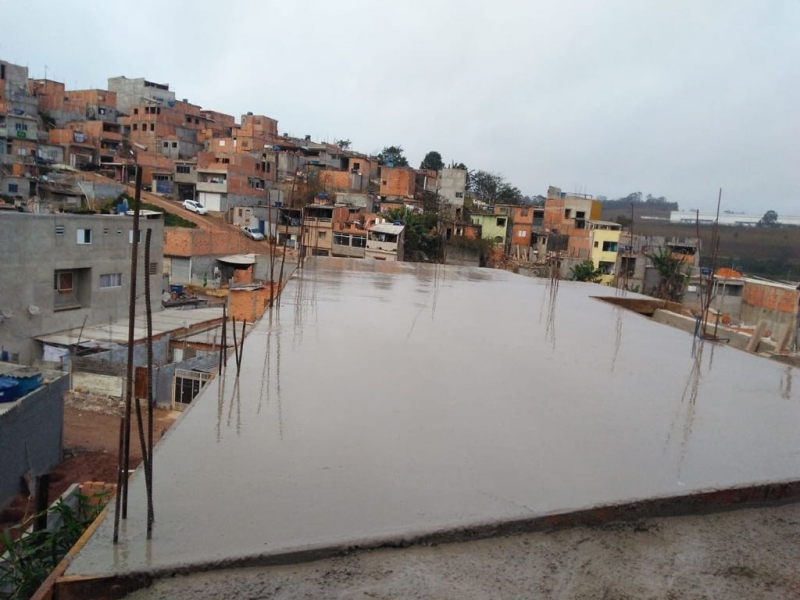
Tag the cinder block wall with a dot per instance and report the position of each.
(31, 435)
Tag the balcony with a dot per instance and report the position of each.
(216, 185)
(110, 136)
(317, 221)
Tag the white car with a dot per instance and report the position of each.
(253, 233)
(195, 206)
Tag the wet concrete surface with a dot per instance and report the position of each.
(384, 401)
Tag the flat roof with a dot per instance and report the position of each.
(469, 398)
(387, 228)
(116, 332)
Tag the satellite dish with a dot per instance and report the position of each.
(7, 313)
(33, 309)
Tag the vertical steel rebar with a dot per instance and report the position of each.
(123, 463)
(148, 465)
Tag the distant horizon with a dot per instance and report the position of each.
(675, 99)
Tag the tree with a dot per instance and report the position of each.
(770, 219)
(623, 220)
(509, 194)
(485, 185)
(433, 160)
(421, 236)
(392, 156)
(671, 276)
(454, 165)
(343, 144)
(585, 271)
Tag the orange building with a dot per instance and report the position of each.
(398, 182)
(567, 214)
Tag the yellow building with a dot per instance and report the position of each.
(603, 245)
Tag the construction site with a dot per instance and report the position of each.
(590, 452)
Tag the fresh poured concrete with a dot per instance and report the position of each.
(386, 401)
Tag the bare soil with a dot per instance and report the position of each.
(91, 438)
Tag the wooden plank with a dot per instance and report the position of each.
(755, 340)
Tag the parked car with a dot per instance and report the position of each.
(253, 233)
(195, 206)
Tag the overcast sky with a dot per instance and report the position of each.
(671, 97)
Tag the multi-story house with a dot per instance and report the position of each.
(604, 244)
(320, 221)
(568, 214)
(385, 242)
(19, 133)
(133, 92)
(398, 183)
(226, 180)
(453, 186)
(62, 106)
(634, 269)
(67, 270)
(495, 222)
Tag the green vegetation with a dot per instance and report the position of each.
(672, 278)
(31, 556)
(393, 156)
(422, 241)
(585, 271)
(433, 160)
(170, 219)
(763, 251)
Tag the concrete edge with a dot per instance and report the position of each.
(712, 501)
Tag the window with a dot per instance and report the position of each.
(524, 212)
(138, 237)
(322, 234)
(111, 280)
(136, 127)
(597, 244)
(222, 142)
(105, 230)
(13, 188)
(183, 169)
(59, 230)
(62, 282)
(522, 233)
(152, 126)
(609, 246)
(84, 236)
(567, 213)
(357, 166)
(166, 144)
(136, 111)
(152, 268)
(21, 126)
(459, 194)
(501, 222)
(174, 144)
(101, 110)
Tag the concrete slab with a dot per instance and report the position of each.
(116, 332)
(388, 401)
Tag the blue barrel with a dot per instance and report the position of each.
(9, 389)
(27, 382)
(176, 289)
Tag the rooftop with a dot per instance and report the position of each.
(116, 332)
(387, 228)
(556, 403)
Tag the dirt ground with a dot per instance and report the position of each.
(91, 437)
(742, 554)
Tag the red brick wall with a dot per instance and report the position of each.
(769, 297)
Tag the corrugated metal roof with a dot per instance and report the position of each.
(387, 228)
